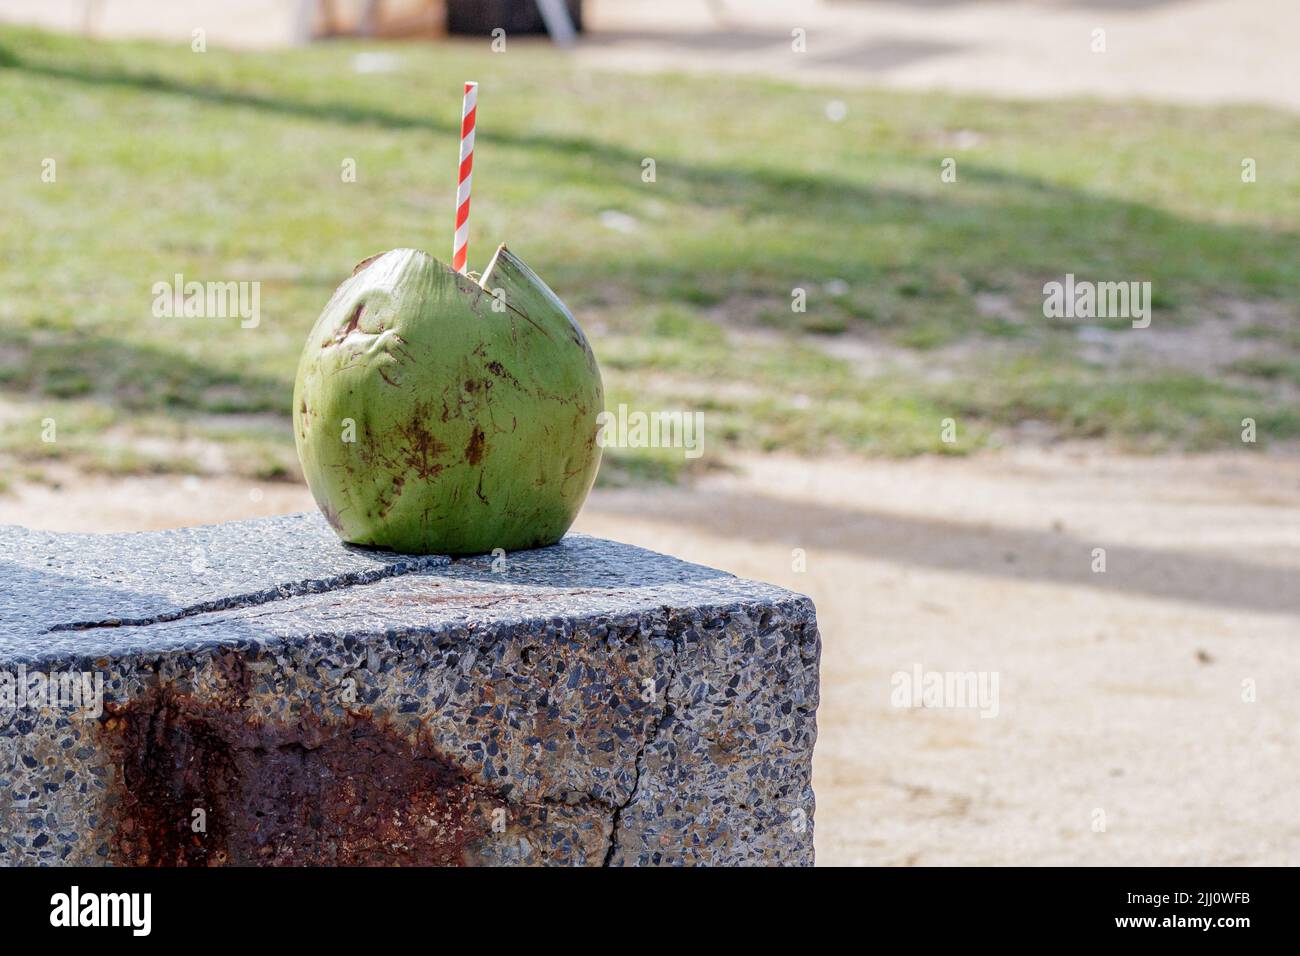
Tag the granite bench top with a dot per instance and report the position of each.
(83, 596)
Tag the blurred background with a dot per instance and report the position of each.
(839, 260)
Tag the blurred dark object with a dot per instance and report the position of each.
(481, 17)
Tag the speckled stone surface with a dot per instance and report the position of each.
(273, 697)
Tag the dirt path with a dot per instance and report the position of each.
(1119, 693)
(1191, 51)
(1188, 51)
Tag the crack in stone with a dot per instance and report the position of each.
(280, 592)
(651, 736)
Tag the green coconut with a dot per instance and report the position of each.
(438, 415)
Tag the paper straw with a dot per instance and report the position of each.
(460, 246)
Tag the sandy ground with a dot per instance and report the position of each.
(1189, 51)
(1179, 50)
(1121, 733)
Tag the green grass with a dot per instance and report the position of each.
(1273, 368)
(225, 166)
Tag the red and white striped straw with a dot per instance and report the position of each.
(460, 246)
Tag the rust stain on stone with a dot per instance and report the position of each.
(234, 673)
(354, 793)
